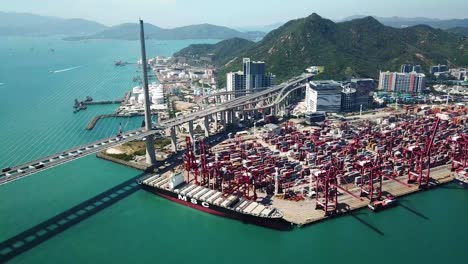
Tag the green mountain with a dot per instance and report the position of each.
(22, 24)
(130, 31)
(459, 30)
(401, 22)
(357, 48)
(220, 53)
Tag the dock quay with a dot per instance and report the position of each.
(303, 213)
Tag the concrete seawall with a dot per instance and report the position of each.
(95, 119)
(133, 165)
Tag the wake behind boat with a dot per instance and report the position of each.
(65, 70)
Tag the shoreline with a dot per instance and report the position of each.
(132, 165)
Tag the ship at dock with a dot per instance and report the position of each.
(174, 188)
(217, 193)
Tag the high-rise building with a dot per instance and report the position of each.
(348, 100)
(323, 96)
(256, 76)
(402, 82)
(365, 89)
(235, 81)
(407, 68)
(253, 77)
(417, 68)
(439, 68)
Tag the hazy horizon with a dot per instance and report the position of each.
(174, 13)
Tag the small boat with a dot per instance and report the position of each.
(120, 63)
(379, 205)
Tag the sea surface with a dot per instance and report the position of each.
(36, 119)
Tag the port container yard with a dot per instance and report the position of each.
(313, 173)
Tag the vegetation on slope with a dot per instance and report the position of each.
(220, 53)
(357, 48)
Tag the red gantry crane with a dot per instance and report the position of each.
(460, 151)
(371, 174)
(419, 160)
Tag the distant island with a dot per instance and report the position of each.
(129, 31)
(23, 24)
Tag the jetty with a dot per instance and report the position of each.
(118, 101)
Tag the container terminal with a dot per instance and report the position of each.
(306, 174)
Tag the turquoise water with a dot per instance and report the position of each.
(143, 228)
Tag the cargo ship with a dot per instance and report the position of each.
(176, 189)
(379, 205)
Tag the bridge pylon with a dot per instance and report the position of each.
(150, 152)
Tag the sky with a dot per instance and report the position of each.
(233, 13)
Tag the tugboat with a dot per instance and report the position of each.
(120, 63)
(461, 177)
(379, 205)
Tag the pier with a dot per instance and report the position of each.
(118, 101)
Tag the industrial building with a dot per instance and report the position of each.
(396, 82)
(323, 96)
(253, 77)
(317, 117)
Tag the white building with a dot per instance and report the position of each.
(323, 96)
(311, 99)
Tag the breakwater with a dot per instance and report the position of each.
(95, 119)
